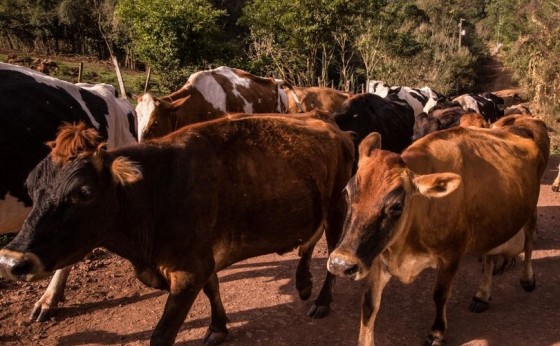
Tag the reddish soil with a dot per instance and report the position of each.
(106, 305)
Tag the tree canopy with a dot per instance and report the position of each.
(338, 43)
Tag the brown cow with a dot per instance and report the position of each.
(207, 95)
(474, 120)
(454, 192)
(185, 206)
(311, 98)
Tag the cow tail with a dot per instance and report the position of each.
(288, 85)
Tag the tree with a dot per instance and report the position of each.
(173, 36)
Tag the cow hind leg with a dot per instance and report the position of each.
(217, 331)
(479, 302)
(333, 231)
(527, 280)
(52, 296)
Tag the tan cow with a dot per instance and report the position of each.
(208, 95)
(455, 192)
(473, 119)
(311, 98)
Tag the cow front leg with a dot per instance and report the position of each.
(183, 290)
(52, 296)
(217, 331)
(333, 230)
(371, 301)
(304, 284)
(447, 269)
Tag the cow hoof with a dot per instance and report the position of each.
(305, 293)
(478, 305)
(318, 311)
(40, 314)
(214, 336)
(530, 285)
(434, 341)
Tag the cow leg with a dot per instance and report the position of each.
(479, 302)
(304, 284)
(371, 301)
(52, 296)
(527, 276)
(183, 289)
(446, 272)
(217, 331)
(333, 230)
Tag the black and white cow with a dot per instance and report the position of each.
(365, 113)
(420, 99)
(32, 108)
(490, 107)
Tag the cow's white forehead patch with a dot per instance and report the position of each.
(144, 109)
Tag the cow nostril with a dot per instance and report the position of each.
(351, 271)
(22, 268)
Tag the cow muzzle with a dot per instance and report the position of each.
(19, 266)
(344, 265)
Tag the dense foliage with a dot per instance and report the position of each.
(339, 43)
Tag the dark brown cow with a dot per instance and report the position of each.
(311, 98)
(454, 192)
(185, 206)
(209, 95)
(441, 119)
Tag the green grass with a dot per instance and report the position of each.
(93, 72)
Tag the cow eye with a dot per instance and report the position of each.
(85, 193)
(395, 210)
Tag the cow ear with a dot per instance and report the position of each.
(125, 171)
(369, 144)
(437, 185)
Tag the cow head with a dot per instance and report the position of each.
(380, 201)
(74, 200)
(425, 124)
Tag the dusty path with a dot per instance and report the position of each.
(107, 306)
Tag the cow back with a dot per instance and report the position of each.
(366, 113)
(501, 161)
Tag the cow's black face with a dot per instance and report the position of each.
(72, 203)
(425, 124)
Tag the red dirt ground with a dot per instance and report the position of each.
(106, 305)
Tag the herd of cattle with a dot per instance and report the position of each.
(396, 179)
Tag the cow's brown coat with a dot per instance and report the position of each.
(454, 192)
(185, 206)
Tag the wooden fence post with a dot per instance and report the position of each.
(80, 72)
(119, 77)
(148, 79)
